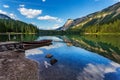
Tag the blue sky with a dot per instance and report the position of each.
(51, 14)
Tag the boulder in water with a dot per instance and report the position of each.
(53, 61)
(49, 56)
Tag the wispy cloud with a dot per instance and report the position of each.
(11, 15)
(22, 5)
(116, 0)
(29, 13)
(33, 23)
(110, 0)
(6, 6)
(3, 12)
(50, 18)
(56, 26)
(47, 17)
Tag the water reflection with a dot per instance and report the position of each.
(33, 52)
(79, 57)
(107, 46)
(74, 63)
(99, 72)
(46, 64)
(18, 37)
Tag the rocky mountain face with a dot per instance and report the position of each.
(2, 16)
(68, 24)
(101, 17)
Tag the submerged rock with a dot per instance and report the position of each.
(14, 66)
(53, 61)
(49, 56)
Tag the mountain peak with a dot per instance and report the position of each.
(67, 24)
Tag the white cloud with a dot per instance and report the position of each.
(56, 26)
(97, 72)
(43, 0)
(6, 6)
(29, 13)
(11, 15)
(3, 12)
(22, 5)
(47, 17)
(116, 0)
(33, 23)
(52, 27)
(50, 18)
(60, 20)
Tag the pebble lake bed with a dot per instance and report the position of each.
(14, 65)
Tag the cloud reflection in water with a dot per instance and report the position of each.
(56, 45)
(97, 71)
(33, 52)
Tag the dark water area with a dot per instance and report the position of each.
(18, 37)
(78, 57)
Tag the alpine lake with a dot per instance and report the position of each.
(79, 57)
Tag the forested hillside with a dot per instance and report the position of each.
(104, 21)
(9, 25)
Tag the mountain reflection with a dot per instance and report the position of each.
(107, 45)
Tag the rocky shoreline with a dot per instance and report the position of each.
(7, 46)
(14, 66)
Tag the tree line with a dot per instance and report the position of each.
(58, 32)
(9, 25)
(111, 27)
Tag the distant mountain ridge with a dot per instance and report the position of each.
(105, 16)
(3, 16)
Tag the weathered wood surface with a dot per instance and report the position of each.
(5, 46)
(9, 42)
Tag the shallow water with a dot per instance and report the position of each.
(79, 60)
